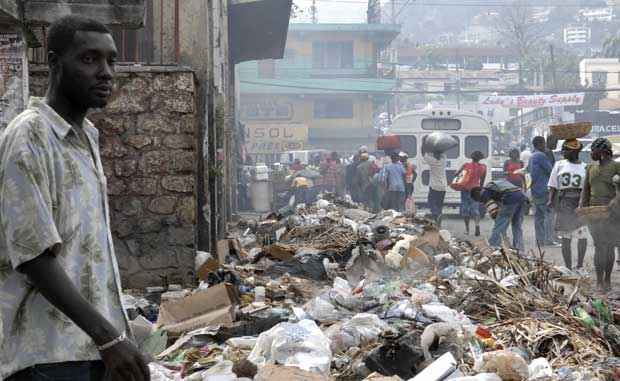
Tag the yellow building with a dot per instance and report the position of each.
(327, 83)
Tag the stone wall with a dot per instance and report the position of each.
(148, 134)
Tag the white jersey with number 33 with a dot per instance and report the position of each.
(567, 175)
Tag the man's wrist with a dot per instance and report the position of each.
(103, 335)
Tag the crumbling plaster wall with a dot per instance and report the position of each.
(148, 148)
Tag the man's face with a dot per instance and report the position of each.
(86, 69)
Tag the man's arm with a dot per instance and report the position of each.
(123, 360)
(585, 192)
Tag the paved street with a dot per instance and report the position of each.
(456, 226)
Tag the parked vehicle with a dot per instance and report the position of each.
(471, 130)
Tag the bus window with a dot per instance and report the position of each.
(452, 153)
(476, 143)
(441, 124)
(409, 145)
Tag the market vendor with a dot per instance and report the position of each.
(599, 190)
(565, 185)
(511, 202)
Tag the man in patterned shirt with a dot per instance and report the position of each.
(59, 282)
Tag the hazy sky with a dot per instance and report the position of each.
(335, 11)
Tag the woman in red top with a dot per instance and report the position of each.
(511, 166)
(475, 174)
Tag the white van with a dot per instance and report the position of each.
(471, 130)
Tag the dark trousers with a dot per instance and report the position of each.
(435, 202)
(65, 371)
(395, 200)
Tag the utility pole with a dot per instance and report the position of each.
(313, 10)
(393, 12)
(553, 68)
(458, 79)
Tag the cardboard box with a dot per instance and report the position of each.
(214, 306)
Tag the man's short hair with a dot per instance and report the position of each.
(62, 32)
(538, 141)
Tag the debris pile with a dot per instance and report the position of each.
(332, 292)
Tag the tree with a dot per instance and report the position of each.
(519, 31)
(611, 47)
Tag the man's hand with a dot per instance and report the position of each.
(550, 204)
(124, 361)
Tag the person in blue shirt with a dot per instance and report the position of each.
(511, 202)
(540, 170)
(395, 184)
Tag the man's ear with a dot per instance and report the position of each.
(53, 60)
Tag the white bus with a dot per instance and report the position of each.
(471, 130)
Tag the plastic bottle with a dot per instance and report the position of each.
(259, 294)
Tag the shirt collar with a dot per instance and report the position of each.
(60, 126)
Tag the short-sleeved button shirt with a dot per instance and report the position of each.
(52, 197)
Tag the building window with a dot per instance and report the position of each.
(599, 79)
(332, 55)
(333, 108)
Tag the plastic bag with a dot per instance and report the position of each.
(361, 330)
(479, 377)
(439, 142)
(540, 368)
(302, 345)
(159, 373)
(445, 314)
(322, 310)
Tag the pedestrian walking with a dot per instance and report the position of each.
(332, 173)
(511, 202)
(60, 290)
(540, 168)
(410, 176)
(362, 183)
(394, 180)
(565, 186)
(599, 190)
(473, 175)
(437, 182)
(513, 168)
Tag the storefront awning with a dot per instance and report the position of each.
(258, 28)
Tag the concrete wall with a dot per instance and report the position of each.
(148, 138)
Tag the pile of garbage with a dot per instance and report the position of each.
(331, 292)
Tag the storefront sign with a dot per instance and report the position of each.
(267, 109)
(275, 138)
(604, 123)
(13, 77)
(533, 101)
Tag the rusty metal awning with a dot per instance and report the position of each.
(258, 28)
(125, 13)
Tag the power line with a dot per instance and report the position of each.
(379, 92)
(473, 4)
